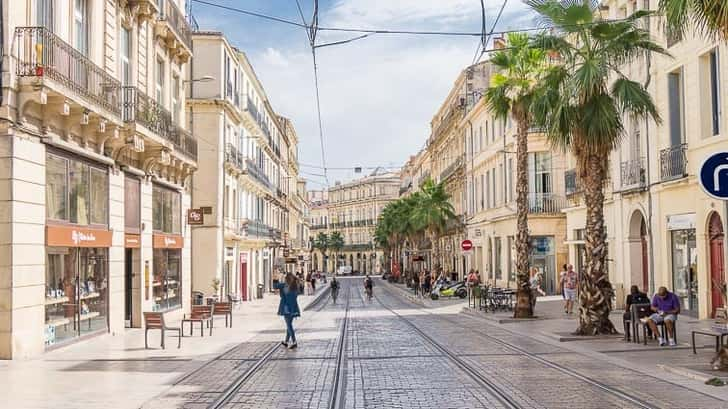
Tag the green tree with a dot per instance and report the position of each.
(336, 243)
(581, 106)
(321, 242)
(707, 17)
(431, 212)
(512, 89)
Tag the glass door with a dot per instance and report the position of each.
(684, 270)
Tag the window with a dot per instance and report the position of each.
(44, 14)
(510, 179)
(132, 195)
(80, 23)
(486, 188)
(539, 173)
(76, 192)
(167, 212)
(715, 92)
(675, 107)
(167, 267)
(125, 55)
(175, 100)
(159, 85)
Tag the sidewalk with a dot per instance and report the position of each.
(117, 371)
(679, 361)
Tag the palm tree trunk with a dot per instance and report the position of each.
(524, 304)
(595, 297)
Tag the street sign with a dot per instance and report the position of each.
(466, 245)
(714, 175)
(195, 217)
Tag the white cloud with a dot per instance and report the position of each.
(378, 94)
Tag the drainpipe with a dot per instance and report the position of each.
(649, 172)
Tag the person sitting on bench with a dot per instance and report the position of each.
(666, 307)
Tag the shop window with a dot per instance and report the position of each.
(76, 192)
(167, 210)
(166, 284)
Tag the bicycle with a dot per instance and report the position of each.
(369, 292)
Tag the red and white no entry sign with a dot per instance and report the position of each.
(466, 245)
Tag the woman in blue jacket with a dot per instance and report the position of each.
(288, 307)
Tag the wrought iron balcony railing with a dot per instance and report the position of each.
(452, 168)
(234, 157)
(41, 53)
(140, 108)
(176, 19)
(674, 162)
(571, 182)
(257, 173)
(632, 174)
(545, 203)
(187, 143)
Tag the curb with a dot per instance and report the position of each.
(688, 373)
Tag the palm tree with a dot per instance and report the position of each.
(432, 212)
(336, 243)
(708, 17)
(511, 92)
(581, 105)
(322, 243)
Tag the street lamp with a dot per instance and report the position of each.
(204, 78)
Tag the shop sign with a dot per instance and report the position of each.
(681, 221)
(195, 217)
(291, 260)
(132, 241)
(167, 241)
(65, 236)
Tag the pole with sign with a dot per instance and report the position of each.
(713, 178)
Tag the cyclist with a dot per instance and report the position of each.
(334, 288)
(369, 286)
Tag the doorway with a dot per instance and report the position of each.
(128, 287)
(717, 270)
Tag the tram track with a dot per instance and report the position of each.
(622, 395)
(336, 397)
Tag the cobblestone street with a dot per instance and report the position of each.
(395, 354)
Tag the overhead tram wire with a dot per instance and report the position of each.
(312, 38)
(486, 39)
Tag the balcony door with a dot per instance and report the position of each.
(44, 14)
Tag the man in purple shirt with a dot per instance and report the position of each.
(666, 307)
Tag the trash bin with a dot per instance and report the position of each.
(198, 298)
(259, 294)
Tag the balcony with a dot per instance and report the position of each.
(254, 229)
(233, 157)
(545, 203)
(44, 55)
(674, 162)
(139, 108)
(571, 182)
(257, 173)
(452, 168)
(174, 28)
(632, 175)
(358, 247)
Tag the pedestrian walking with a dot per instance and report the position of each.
(562, 274)
(570, 284)
(313, 285)
(416, 284)
(308, 283)
(288, 307)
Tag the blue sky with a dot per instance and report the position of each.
(378, 94)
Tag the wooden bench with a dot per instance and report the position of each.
(718, 335)
(155, 320)
(223, 308)
(201, 314)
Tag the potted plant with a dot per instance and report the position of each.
(215, 286)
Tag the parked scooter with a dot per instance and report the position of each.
(445, 289)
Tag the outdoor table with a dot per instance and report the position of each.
(719, 336)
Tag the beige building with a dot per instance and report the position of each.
(491, 200)
(319, 223)
(95, 174)
(446, 154)
(247, 187)
(352, 209)
(662, 228)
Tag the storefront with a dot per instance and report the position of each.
(684, 256)
(167, 243)
(77, 242)
(543, 258)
